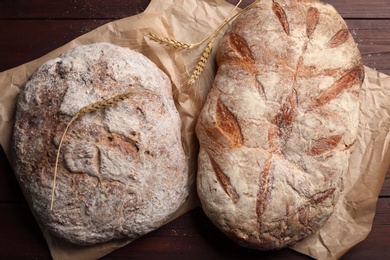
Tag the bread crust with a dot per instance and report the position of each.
(289, 76)
(122, 170)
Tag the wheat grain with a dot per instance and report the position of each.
(103, 104)
(170, 42)
(181, 45)
(206, 52)
(202, 62)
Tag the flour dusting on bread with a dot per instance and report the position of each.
(278, 126)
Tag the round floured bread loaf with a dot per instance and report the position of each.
(122, 170)
(279, 123)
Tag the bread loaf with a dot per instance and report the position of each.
(122, 170)
(278, 126)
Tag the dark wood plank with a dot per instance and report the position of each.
(385, 192)
(192, 236)
(20, 235)
(24, 41)
(9, 187)
(115, 9)
(376, 245)
(373, 9)
(70, 9)
(30, 39)
(373, 39)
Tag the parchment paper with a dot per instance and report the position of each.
(190, 22)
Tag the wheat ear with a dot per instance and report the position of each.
(206, 53)
(181, 45)
(84, 110)
(202, 62)
(170, 42)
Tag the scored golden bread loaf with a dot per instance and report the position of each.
(279, 123)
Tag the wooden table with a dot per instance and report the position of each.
(30, 29)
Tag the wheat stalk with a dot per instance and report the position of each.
(170, 42)
(181, 45)
(202, 62)
(206, 52)
(84, 110)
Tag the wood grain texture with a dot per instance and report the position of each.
(70, 9)
(26, 40)
(55, 27)
(361, 9)
(373, 40)
(114, 9)
(32, 28)
(31, 39)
